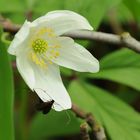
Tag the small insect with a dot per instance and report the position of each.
(45, 107)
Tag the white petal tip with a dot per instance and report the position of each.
(95, 68)
(19, 38)
(72, 20)
(58, 107)
(11, 51)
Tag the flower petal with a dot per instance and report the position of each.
(49, 86)
(19, 38)
(25, 69)
(74, 56)
(62, 21)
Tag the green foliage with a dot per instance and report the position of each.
(93, 10)
(49, 6)
(6, 96)
(52, 125)
(116, 116)
(120, 121)
(7, 6)
(134, 7)
(122, 66)
(123, 13)
(90, 9)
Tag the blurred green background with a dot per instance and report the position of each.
(112, 95)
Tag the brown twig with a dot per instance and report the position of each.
(124, 39)
(8, 26)
(98, 131)
(29, 15)
(84, 131)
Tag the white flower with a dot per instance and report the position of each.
(40, 49)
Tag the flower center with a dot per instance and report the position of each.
(39, 46)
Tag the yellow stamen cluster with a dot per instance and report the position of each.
(37, 60)
(54, 54)
(39, 46)
(47, 31)
(42, 52)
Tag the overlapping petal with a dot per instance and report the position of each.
(62, 21)
(26, 70)
(49, 86)
(76, 57)
(46, 82)
(19, 38)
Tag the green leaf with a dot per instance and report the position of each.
(134, 7)
(93, 10)
(119, 119)
(47, 5)
(6, 96)
(122, 66)
(11, 6)
(52, 125)
(123, 13)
